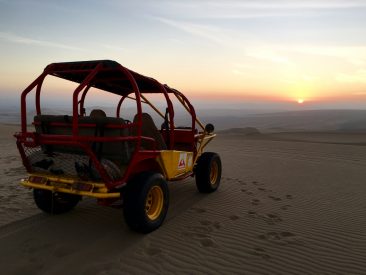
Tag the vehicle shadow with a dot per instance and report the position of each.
(48, 244)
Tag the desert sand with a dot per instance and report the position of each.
(289, 203)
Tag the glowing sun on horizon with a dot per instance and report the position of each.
(300, 100)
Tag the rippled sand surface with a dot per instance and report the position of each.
(288, 204)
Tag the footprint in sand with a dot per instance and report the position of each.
(205, 222)
(281, 238)
(196, 235)
(207, 242)
(204, 239)
(198, 210)
(275, 198)
(234, 217)
(202, 233)
(255, 202)
(285, 207)
(252, 214)
(272, 218)
(202, 229)
(242, 182)
(217, 225)
(257, 251)
(237, 180)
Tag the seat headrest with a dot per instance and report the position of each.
(98, 113)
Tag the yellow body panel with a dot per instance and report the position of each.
(175, 163)
(69, 185)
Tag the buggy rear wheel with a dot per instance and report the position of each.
(208, 172)
(146, 201)
(54, 202)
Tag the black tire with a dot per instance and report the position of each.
(146, 202)
(208, 172)
(55, 202)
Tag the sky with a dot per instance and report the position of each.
(264, 53)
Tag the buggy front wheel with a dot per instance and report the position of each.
(208, 172)
(146, 201)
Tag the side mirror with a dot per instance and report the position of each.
(209, 128)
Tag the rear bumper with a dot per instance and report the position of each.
(69, 185)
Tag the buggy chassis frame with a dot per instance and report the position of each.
(111, 77)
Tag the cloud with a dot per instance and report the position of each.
(29, 41)
(357, 61)
(357, 77)
(308, 78)
(272, 4)
(268, 55)
(211, 33)
(239, 72)
(289, 4)
(359, 93)
(113, 47)
(354, 55)
(333, 51)
(245, 9)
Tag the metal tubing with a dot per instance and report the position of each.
(152, 106)
(139, 109)
(38, 96)
(81, 101)
(171, 115)
(119, 106)
(23, 103)
(75, 113)
(97, 195)
(191, 110)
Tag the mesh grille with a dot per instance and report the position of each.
(73, 164)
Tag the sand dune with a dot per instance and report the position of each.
(246, 131)
(310, 120)
(284, 207)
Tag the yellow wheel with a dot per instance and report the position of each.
(145, 202)
(208, 172)
(214, 172)
(154, 202)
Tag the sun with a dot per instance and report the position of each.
(300, 100)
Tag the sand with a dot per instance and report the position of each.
(15, 201)
(288, 204)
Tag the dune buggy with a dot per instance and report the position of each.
(112, 158)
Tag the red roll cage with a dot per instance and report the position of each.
(111, 77)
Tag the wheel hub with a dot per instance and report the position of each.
(214, 171)
(154, 202)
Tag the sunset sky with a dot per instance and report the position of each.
(262, 51)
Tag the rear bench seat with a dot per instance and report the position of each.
(119, 152)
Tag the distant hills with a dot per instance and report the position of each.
(314, 120)
(309, 120)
